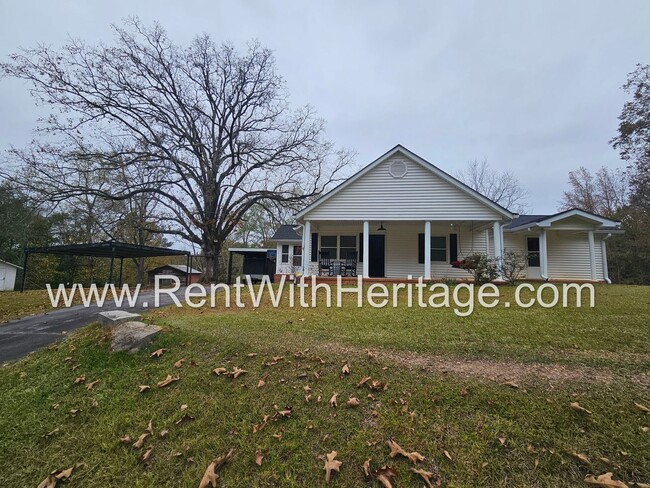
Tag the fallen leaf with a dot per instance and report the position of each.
(643, 408)
(502, 440)
(143, 388)
(49, 482)
(384, 476)
(149, 427)
(447, 455)
(576, 455)
(414, 457)
(604, 480)
(140, 442)
(157, 353)
(237, 372)
(146, 457)
(333, 402)
(377, 385)
(251, 354)
(80, 379)
(576, 406)
(259, 457)
(167, 381)
(73, 412)
(126, 439)
(364, 380)
(261, 383)
(511, 384)
(179, 363)
(395, 449)
(278, 358)
(370, 354)
(163, 433)
(184, 420)
(345, 369)
(219, 371)
(183, 407)
(277, 436)
(210, 476)
(284, 413)
(645, 429)
(331, 464)
(609, 462)
(427, 476)
(65, 474)
(352, 402)
(366, 467)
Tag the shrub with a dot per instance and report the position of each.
(482, 268)
(512, 266)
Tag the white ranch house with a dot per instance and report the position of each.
(389, 209)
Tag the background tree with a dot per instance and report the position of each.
(215, 125)
(502, 187)
(605, 192)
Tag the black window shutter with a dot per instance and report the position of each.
(314, 247)
(361, 247)
(421, 248)
(453, 247)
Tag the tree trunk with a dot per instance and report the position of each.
(211, 252)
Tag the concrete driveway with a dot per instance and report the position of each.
(22, 336)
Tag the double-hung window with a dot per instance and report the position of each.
(328, 244)
(297, 255)
(285, 253)
(347, 244)
(439, 248)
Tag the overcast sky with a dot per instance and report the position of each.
(532, 88)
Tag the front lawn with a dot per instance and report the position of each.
(485, 399)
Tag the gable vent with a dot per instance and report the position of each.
(398, 168)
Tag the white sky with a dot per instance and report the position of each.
(531, 86)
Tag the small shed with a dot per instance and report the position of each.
(258, 262)
(8, 275)
(185, 273)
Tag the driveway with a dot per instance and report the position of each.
(22, 336)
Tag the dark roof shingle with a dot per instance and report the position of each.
(286, 233)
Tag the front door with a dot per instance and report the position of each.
(534, 269)
(376, 255)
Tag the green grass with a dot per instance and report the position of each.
(15, 305)
(463, 414)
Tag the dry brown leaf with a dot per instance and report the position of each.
(184, 419)
(511, 384)
(80, 379)
(149, 427)
(65, 474)
(364, 380)
(576, 406)
(370, 354)
(447, 455)
(157, 353)
(237, 372)
(261, 383)
(604, 480)
(609, 462)
(126, 439)
(140, 442)
(163, 433)
(278, 358)
(502, 440)
(167, 381)
(210, 476)
(395, 449)
(645, 429)
(277, 436)
(49, 482)
(366, 467)
(576, 455)
(384, 476)
(333, 402)
(73, 412)
(259, 457)
(331, 464)
(251, 354)
(146, 457)
(183, 407)
(284, 413)
(414, 457)
(378, 385)
(643, 408)
(427, 476)
(219, 371)
(91, 385)
(143, 388)
(352, 402)
(179, 363)
(345, 369)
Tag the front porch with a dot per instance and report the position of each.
(395, 250)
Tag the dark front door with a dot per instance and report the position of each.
(376, 258)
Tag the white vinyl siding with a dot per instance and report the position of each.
(418, 195)
(568, 256)
(7, 277)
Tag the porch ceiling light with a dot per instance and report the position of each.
(382, 228)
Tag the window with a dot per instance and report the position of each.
(285, 253)
(533, 251)
(328, 244)
(438, 248)
(297, 255)
(347, 244)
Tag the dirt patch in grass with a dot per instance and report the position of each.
(494, 370)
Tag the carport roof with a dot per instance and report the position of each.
(106, 250)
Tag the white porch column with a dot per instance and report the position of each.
(603, 250)
(427, 250)
(592, 254)
(366, 250)
(543, 255)
(498, 243)
(306, 252)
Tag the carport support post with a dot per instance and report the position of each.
(229, 267)
(187, 270)
(22, 284)
(121, 265)
(110, 274)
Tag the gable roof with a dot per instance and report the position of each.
(422, 162)
(286, 232)
(11, 264)
(524, 221)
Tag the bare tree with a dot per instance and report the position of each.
(502, 187)
(216, 126)
(604, 193)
